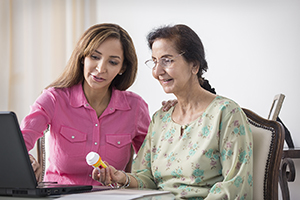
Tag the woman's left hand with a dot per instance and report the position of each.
(168, 104)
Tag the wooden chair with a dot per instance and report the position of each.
(268, 139)
(287, 168)
(41, 152)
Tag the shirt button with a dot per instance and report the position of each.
(111, 108)
(73, 136)
(119, 142)
(96, 124)
(96, 143)
(87, 104)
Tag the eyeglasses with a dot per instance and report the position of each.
(164, 62)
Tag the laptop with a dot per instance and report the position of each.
(17, 177)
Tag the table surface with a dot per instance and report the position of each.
(119, 194)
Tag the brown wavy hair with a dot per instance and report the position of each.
(87, 44)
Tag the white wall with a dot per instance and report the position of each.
(252, 50)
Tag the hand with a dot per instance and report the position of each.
(109, 175)
(168, 104)
(37, 168)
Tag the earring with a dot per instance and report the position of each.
(120, 73)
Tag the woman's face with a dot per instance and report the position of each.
(175, 78)
(103, 65)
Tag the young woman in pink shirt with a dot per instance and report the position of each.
(88, 108)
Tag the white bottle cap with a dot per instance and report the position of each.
(92, 158)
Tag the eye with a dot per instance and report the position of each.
(113, 62)
(94, 57)
(167, 61)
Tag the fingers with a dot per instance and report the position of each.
(102, 176)
(37, 168)
(35, 165)
(33, 161)
(107, 176)
(174, 102)
(167, 105)
(96, 175)
(39, 174)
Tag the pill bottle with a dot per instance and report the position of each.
(94, 160)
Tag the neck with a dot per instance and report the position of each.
(191, 104)
(98, 99)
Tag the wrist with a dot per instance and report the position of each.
(125, 181)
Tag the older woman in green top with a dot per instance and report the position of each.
(202, 147)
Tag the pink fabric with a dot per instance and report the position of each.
(75, 130)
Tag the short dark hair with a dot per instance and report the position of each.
(185, 40)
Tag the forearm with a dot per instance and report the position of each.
(128, 181)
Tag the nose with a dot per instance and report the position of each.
(158, 70)
(101, 67)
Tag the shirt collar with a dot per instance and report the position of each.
(77, 97)
(118, 98)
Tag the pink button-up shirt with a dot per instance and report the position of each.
(75, 130)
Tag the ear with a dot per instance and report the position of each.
(123, 69)
(195, 68)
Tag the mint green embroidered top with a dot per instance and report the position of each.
(211, 159)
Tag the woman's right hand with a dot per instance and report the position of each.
(109, 175)
(37, 168)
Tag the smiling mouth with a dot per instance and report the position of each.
(166, 80)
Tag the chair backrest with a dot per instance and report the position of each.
(268, 139)
(276, 106)
(41, 152)
(274, 115)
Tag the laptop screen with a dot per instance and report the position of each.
(15, 168)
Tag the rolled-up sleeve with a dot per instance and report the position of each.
(36, 122)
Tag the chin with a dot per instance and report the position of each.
(167, 90)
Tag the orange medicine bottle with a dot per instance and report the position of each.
(94, 160)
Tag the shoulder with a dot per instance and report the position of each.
(59, 94)
(162, 116)
(228, 109)
(55, 92)
(224, 103)
(131, 97)
(224, 107)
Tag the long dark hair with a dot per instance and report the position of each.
(88, 43)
